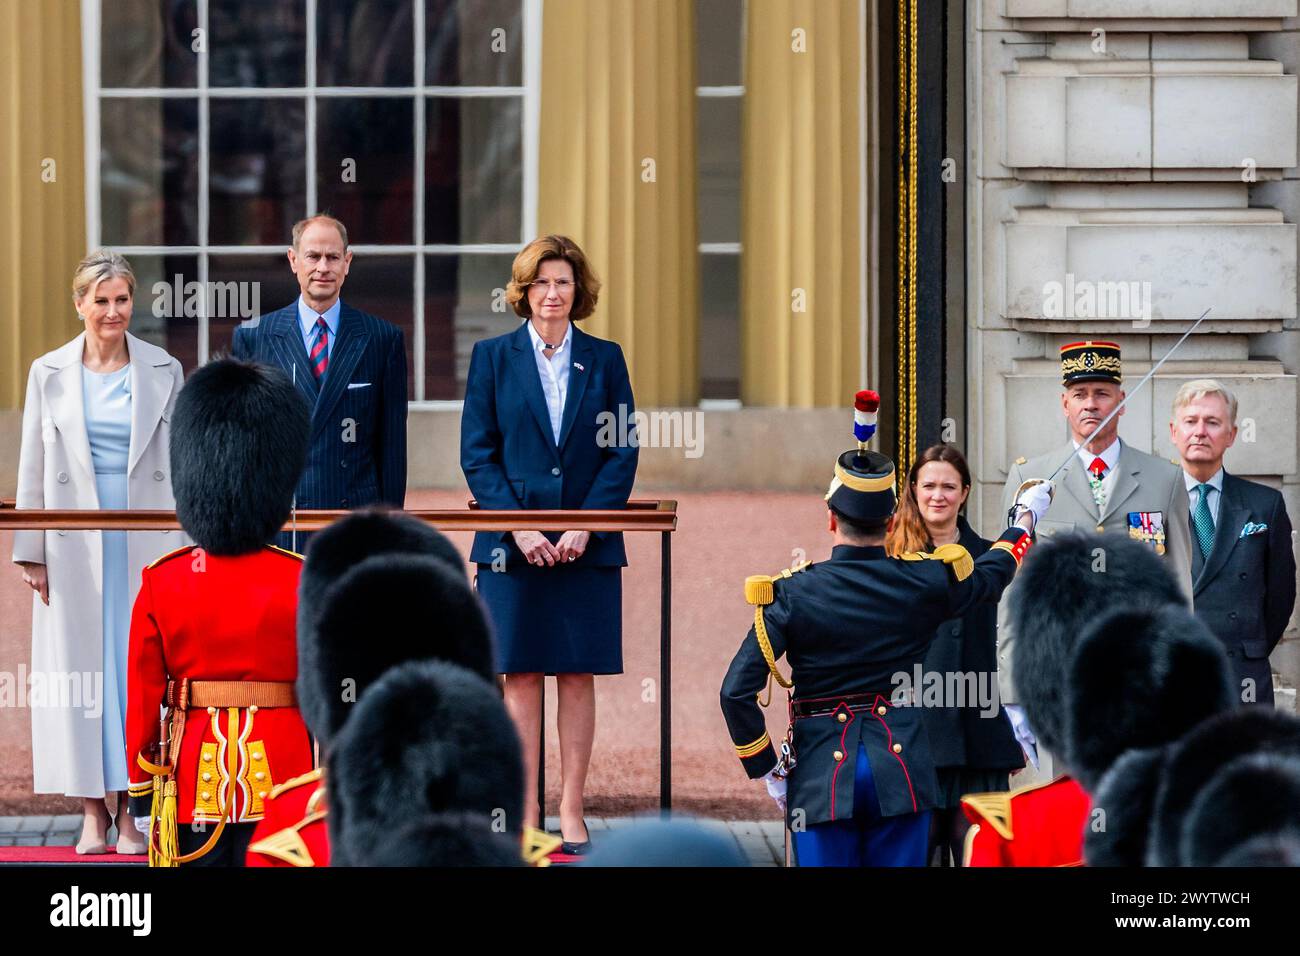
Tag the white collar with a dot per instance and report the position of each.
(1215, 482)
(1110, 455)
(538, 344)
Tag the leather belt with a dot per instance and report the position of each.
(825, 706)
(191, 694)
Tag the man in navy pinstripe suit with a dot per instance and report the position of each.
(350, 366)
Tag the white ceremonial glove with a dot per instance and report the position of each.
(1024, 733)
(776, 787)
(141, 823)
(1036, 499)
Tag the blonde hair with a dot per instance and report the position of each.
(1199, 388)
(95, 268)
(524, 273)
(301, 225)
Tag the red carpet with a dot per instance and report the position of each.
(11, 855)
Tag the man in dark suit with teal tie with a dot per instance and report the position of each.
(351, 368)
(1243, 567)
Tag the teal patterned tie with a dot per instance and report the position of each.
(1203, 522)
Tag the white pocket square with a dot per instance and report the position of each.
(1251, 528)
(359, 385)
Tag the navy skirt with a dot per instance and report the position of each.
(566, 619)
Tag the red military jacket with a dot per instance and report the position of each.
(294, 831)
(1038, 825)
(202, 616)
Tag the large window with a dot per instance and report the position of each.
(719, 36)
(219, 123)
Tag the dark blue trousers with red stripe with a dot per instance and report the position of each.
(867, 839)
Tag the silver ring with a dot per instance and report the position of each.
(570, 557)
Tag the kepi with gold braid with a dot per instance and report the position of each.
(862, 487)
(1090, 362)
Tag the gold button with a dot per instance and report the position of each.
(841, 717)
(205, 795)
(261, 794)
(1100, 528)
(881, 710)
(839, 755)
(259, 775)
(207, 756)
(257, 755)
(253, 709)
(212, 710)
(898, 748)
(206, 777)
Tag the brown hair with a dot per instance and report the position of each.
(301, 225)
(909, 532)
(524, 273)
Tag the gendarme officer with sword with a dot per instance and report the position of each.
(856, 760)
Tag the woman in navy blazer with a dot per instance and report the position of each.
(545, 409)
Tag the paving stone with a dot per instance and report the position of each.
(34, 824)
(29, 839)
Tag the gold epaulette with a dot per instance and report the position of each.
(995, 808)
(288, 845)
(292, 554)
(951, 554)
(171, 554)
(1021, 460)
(760, 592)
(311, 776)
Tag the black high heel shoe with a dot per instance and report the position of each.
(581, 848)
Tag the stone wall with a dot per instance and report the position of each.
(1141, 155)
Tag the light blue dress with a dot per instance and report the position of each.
(107, 403)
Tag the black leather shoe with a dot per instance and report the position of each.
(575, 849)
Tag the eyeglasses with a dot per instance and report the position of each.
(560, 285)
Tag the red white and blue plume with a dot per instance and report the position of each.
(866, 405)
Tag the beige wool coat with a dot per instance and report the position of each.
(55, 470)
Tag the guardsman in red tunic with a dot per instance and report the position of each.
(1048, 817)
(403, 584)
(212, 631)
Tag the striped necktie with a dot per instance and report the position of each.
(320, 356)
(1203, 521)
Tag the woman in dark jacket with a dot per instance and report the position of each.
(971, 740)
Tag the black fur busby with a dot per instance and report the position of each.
(1140, 677)
(1065, 583)
(1199, 755)
(1122, 806)
(1254, 799)
(365, 533)
(387, 610)
(1273, 849)
(428, 738)
(239, 439)
(444, 839)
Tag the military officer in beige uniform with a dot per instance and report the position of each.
(1108, 486)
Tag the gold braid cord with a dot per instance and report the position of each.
(908, 104)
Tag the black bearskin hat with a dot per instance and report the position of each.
(378, 590)
(1254, 799)
(1139, 678)
(1065, 583)
(1122, 805)
(429, 737)
(239, 439)
(1198, 757)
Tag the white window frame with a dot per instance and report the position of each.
(529, 93)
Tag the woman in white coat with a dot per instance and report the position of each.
(95, 435)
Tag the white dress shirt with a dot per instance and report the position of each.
(307, 318)
(1110, 455)
(1215, 493)
(554, 373)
